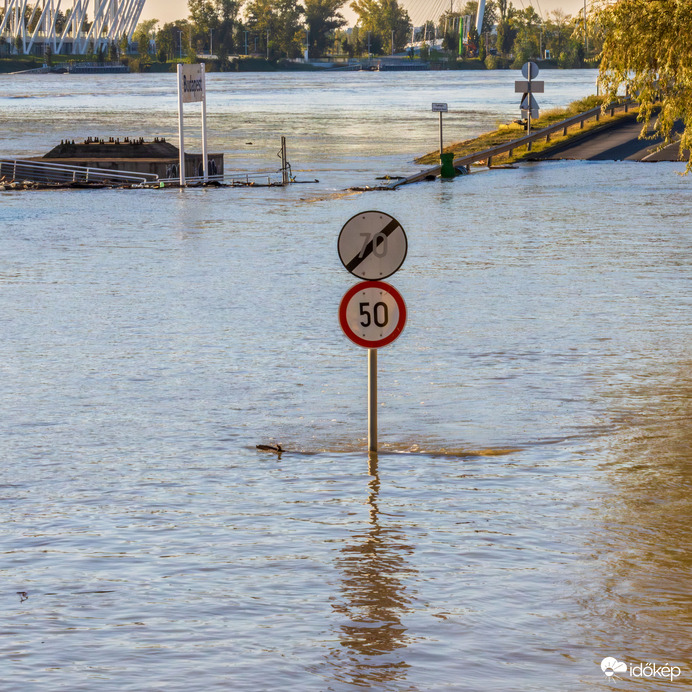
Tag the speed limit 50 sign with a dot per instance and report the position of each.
(372, 314)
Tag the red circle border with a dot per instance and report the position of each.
(359, 341)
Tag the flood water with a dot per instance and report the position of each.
(529, 513)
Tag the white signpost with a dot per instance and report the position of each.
(440, 108)
(372, 245)
(529, 105)
(192, 88)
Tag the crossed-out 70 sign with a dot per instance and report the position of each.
(372, 245)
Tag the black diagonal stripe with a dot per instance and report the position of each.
(369, 248)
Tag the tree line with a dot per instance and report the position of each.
(520, 34)
(285, 28)
(279, 28)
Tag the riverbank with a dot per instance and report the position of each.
(514, 130)
(255, 64)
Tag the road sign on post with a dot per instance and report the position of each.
(372, 245)
(524, 87)
(530, 70)
(440, 108)
(372, 314)
(192, 88)
(529, 105)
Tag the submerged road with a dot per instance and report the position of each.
(617, 142)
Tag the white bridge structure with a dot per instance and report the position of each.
(424, 12)
(69, 27)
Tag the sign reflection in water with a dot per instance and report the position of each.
(376, 586)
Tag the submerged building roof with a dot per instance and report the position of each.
(114, 148)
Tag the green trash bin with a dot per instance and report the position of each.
(447, 169)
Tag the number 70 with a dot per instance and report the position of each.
(379, 244)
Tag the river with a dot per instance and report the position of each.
(529, 512)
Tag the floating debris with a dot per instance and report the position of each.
(368, 188)
(277, 449)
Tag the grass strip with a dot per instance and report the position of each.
(510, 131)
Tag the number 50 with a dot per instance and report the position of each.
(379, 316)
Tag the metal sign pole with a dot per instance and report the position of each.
(372, 400)
(205, 160)
(181, 136)
(284, 162)
(530, 104)
(441, 146)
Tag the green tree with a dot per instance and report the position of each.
(558, 31)
(142, 35)
(572, 55)
(173, 38)
(525, 47)
(281, 20)
(61, 20)
(322, 18)
(219, 16)
(505, 37)
(384, 20)
(643, 51)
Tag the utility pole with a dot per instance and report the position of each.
(586, 38)
(211, 42)
(540, 52)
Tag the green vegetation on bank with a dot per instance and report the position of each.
(271, 32)
(510, 131)
(18, 63)
(643, 51)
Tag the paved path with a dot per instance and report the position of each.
(618, 142)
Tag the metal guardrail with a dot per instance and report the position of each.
(44, 172)
(508, 147)
(228, 179)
